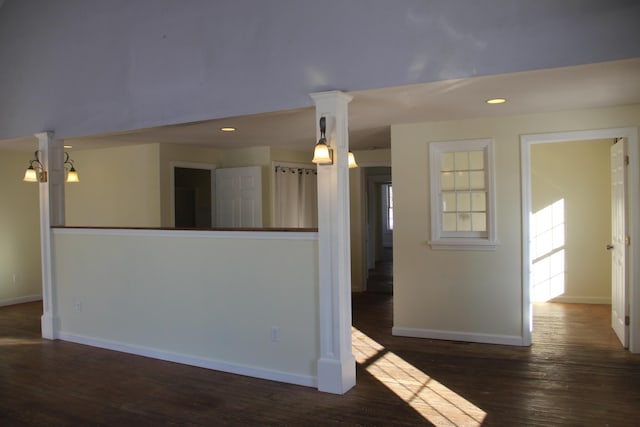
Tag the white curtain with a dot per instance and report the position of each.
(296, 197)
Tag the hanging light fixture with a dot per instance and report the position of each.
(321, 154)
(35, 172)
(72, 174)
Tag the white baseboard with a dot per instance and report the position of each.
(582, 300)
(20, 300)
(186, 359)
(458, 336)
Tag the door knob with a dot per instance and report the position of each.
(609, 247)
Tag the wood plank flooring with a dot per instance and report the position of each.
(575, 374)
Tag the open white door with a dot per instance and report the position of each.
(239, 197)
(619, 241)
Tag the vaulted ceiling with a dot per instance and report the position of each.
(372, 112)
(133, 72)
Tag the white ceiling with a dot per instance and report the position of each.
(373, 111)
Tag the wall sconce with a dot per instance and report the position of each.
(352, 160)
(321, 153)
(36, 172)
(72, 174)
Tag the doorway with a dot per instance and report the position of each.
(379, 230)
(193, 199)
(552, 222)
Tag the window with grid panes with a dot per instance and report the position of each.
(462, 195)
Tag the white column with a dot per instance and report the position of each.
(336, 366)
(51, 213)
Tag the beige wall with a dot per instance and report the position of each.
(370, 158)
(465, 294)
(20, 273)
(291, 156)
(119, 187)
(577, 174)
(188, 296)
(130, 186)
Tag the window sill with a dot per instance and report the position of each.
(464, 244)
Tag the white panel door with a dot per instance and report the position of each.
(618, 246)
(239, 197)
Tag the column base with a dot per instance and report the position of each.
(48, 325)
(336, 376)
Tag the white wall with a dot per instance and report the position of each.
(189, 297)
(473, 296)
(119, 187)
(20, 273)
(579, 175)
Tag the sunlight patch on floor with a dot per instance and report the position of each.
(435, 402)
(6, 341)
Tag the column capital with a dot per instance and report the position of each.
(331, 95)
(44, 135)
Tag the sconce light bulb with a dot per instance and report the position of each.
(30, 175)
(321, 155)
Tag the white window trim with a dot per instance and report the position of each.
(438, 241)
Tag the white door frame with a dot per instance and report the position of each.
(172, 187)
(633, 226)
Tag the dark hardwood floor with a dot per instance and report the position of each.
(575, 374)
(380, 278)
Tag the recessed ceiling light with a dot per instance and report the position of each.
(496, 101)
(228, 129)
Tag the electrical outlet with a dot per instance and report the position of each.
(77, 305)
(275, 334)
(16, 278)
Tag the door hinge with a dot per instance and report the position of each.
(626, 160)
(626, 321)
(627, 240)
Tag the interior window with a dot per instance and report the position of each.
(462, 214)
